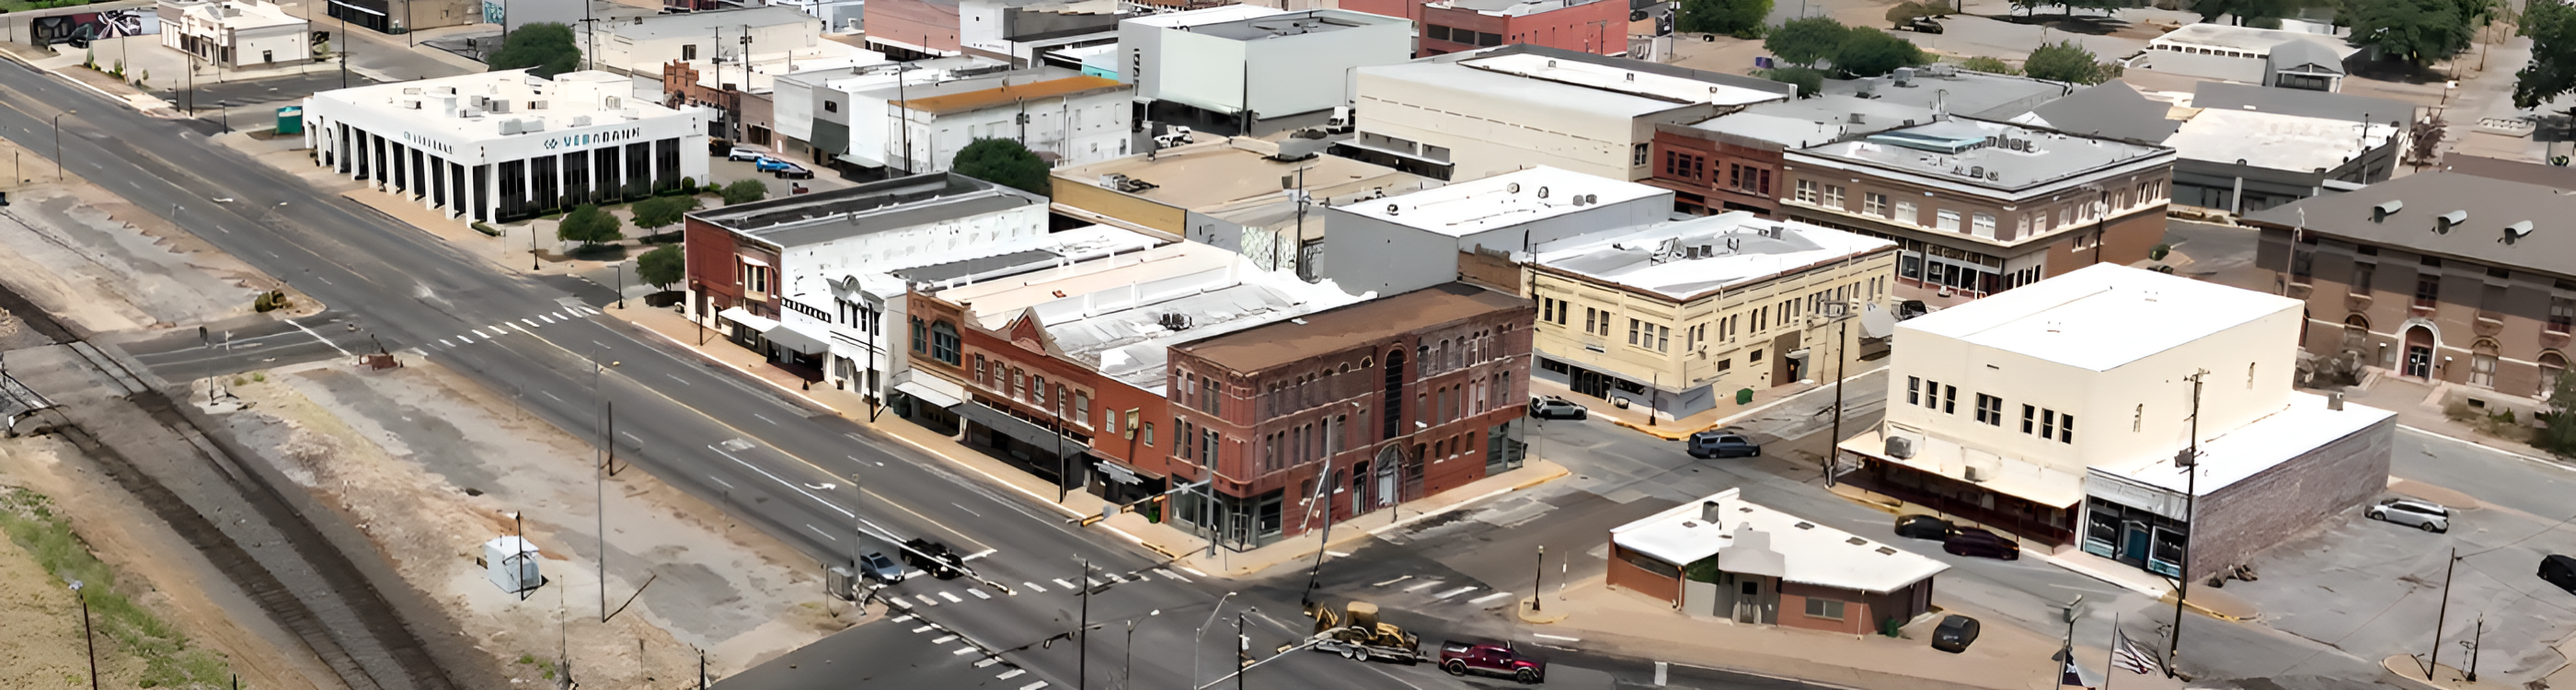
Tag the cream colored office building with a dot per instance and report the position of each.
(1683, 316)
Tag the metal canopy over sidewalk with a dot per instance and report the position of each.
(1019, 429)
(793, 338)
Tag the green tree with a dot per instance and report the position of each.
(1809, 80)
(1900, 13)
(1806, 40)
(663, 211)
(661, 267)
(589, 226)
(744, 191)
(2559, 435)
(2552, 70)
(1003, 162)
(1988, 65)
(544, 47)
(1869, 52)
(2067, 62)
(2416, 31)
(1730, 17)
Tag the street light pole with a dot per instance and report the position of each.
(1536, 577)
(1198, 645)
(2442, 614)
(1082, 662)
(1127, 672)
(1842, 366)
(58, 143)
(621, 285)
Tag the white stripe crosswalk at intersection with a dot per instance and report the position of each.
(546, 318)
(1059, 582)
(979, 594)
(952, 598)
(926, 600)
(1033, 587)
(1010, 674)
(1170, 574)
(1033, 686)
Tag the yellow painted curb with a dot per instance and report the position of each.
(1657, 432)
(1522, 609)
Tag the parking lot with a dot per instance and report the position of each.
(2374, 589)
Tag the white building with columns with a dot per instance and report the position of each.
(503, 146)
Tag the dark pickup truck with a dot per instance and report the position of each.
(1486, 658)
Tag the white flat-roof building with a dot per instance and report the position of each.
(1676, 316)
(1723, 556)
(1405, 243)
(1531, 105)
(2047, 409)
(1222, 61)
(235, 33)
(1060, 113)
(502, 146)
(643, 44)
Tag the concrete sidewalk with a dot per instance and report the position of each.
(1185, 549)
(2004, 657)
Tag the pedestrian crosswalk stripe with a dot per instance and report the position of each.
(979, 594)
(1033, 587)
(1170, 574)
(531, 324)
(1010, 674)
(943, 639)
(952, 598)
(1033, 686)
(962, 650)
(902, 618)
(923, 629)
(927, 600)
(1059, 582)
(478, 331)
(988, 661)
(442, 342)
(545, 318)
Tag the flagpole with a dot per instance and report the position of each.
(2110, 664)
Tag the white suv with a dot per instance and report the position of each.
(2421, 515)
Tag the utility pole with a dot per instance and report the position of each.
(1540, 575)
(2443, 614)
(2476, 640)
(599, 484)
(1242, 648)
(1314, 577)
(87, 635)
(1842, 366)
(2189, 461)
(1082, 664)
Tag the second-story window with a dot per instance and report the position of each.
(1990, 409)
(2428, 290)
(1208, 399)
(1833, 196)
(1082, 409)
(943, 342)
(1873, 203)
(1947, 220)
(1806, 193)
(2562, 313)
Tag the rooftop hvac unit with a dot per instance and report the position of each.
(1900, 447)
(511, 126)
(536, 105)
(411, 91)
(613, 103)
(1174, 321)
(580, 121)
(498, 105)
(1970, 473)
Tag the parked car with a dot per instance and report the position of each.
(876, 566)
(1493, 659)
(1552, 407)
(2423, 515)
(745, 153)
(1722, 443)
(1923, 527)
(2559, 569)
(1955, 634)
(1923, 25)
(933, 558)
(1975, 541)
(793, 172)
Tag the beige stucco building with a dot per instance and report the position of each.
(1679, 317)
(2033, 409)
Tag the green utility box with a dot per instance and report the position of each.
(290, 120)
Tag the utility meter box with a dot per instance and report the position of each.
(511, 564)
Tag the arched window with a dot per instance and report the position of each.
(2553, 366)
(2482, 363)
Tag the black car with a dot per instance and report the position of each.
(933, 558)
(2559, 569)
(1722, 443)
(1923, 25)
(1972, 541)
(1552, 407)
(1955, 634)
(1923, 527)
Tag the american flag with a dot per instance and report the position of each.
(2128, 654)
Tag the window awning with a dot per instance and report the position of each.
(927, 394)
(753, 260)
(756, 323)
(795, 338)
(1025, 431)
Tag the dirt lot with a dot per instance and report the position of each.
(431, 467)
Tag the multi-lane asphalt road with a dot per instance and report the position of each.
(775, 461)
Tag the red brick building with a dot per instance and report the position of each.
(910, 29)
(1599, 27)
(1382, 401)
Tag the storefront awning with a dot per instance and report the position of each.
(1025, 431)
(1123, 474)
(859, 160)
(794, 338)
(927, 395)
(755, 323)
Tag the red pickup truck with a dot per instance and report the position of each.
(1496, 659)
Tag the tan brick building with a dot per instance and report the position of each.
(1978, 207)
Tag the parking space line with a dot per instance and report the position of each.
(1389, 582)
(1426, 584)
(1489, 597)
(1454, 592)
(924, 629)
(943, 639)
(1010, 674)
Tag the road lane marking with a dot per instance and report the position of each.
(631, 437)
(962, 651)
(818, 530)
(318, 336)
(988, 661)
(1059, 582)
(1454, 592)
(1192, 571)
(548, 319)
(1389, 582)
(551, 394)
(943, 639)
(924, 629)
(531, 324)
(1489, 597)
(676, 377)
(1337, 554)
(500, 330)
(325, 281)
(854, 458)
(1093, 581)
(951, 597)
(1013, 673)
(902, 618)
(1426, 584)
(1033, 587)
(442, 342)
(1033, 686)
(1556, 637)
(979, 594)
(926, 600)
(765, 419)
(969, 511)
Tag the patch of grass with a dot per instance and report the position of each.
(480, 227)
(261, 377)
(169, 661)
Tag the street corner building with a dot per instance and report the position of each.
(1725, 557)
(2122, 414)
(507, 146)
(235, 33)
